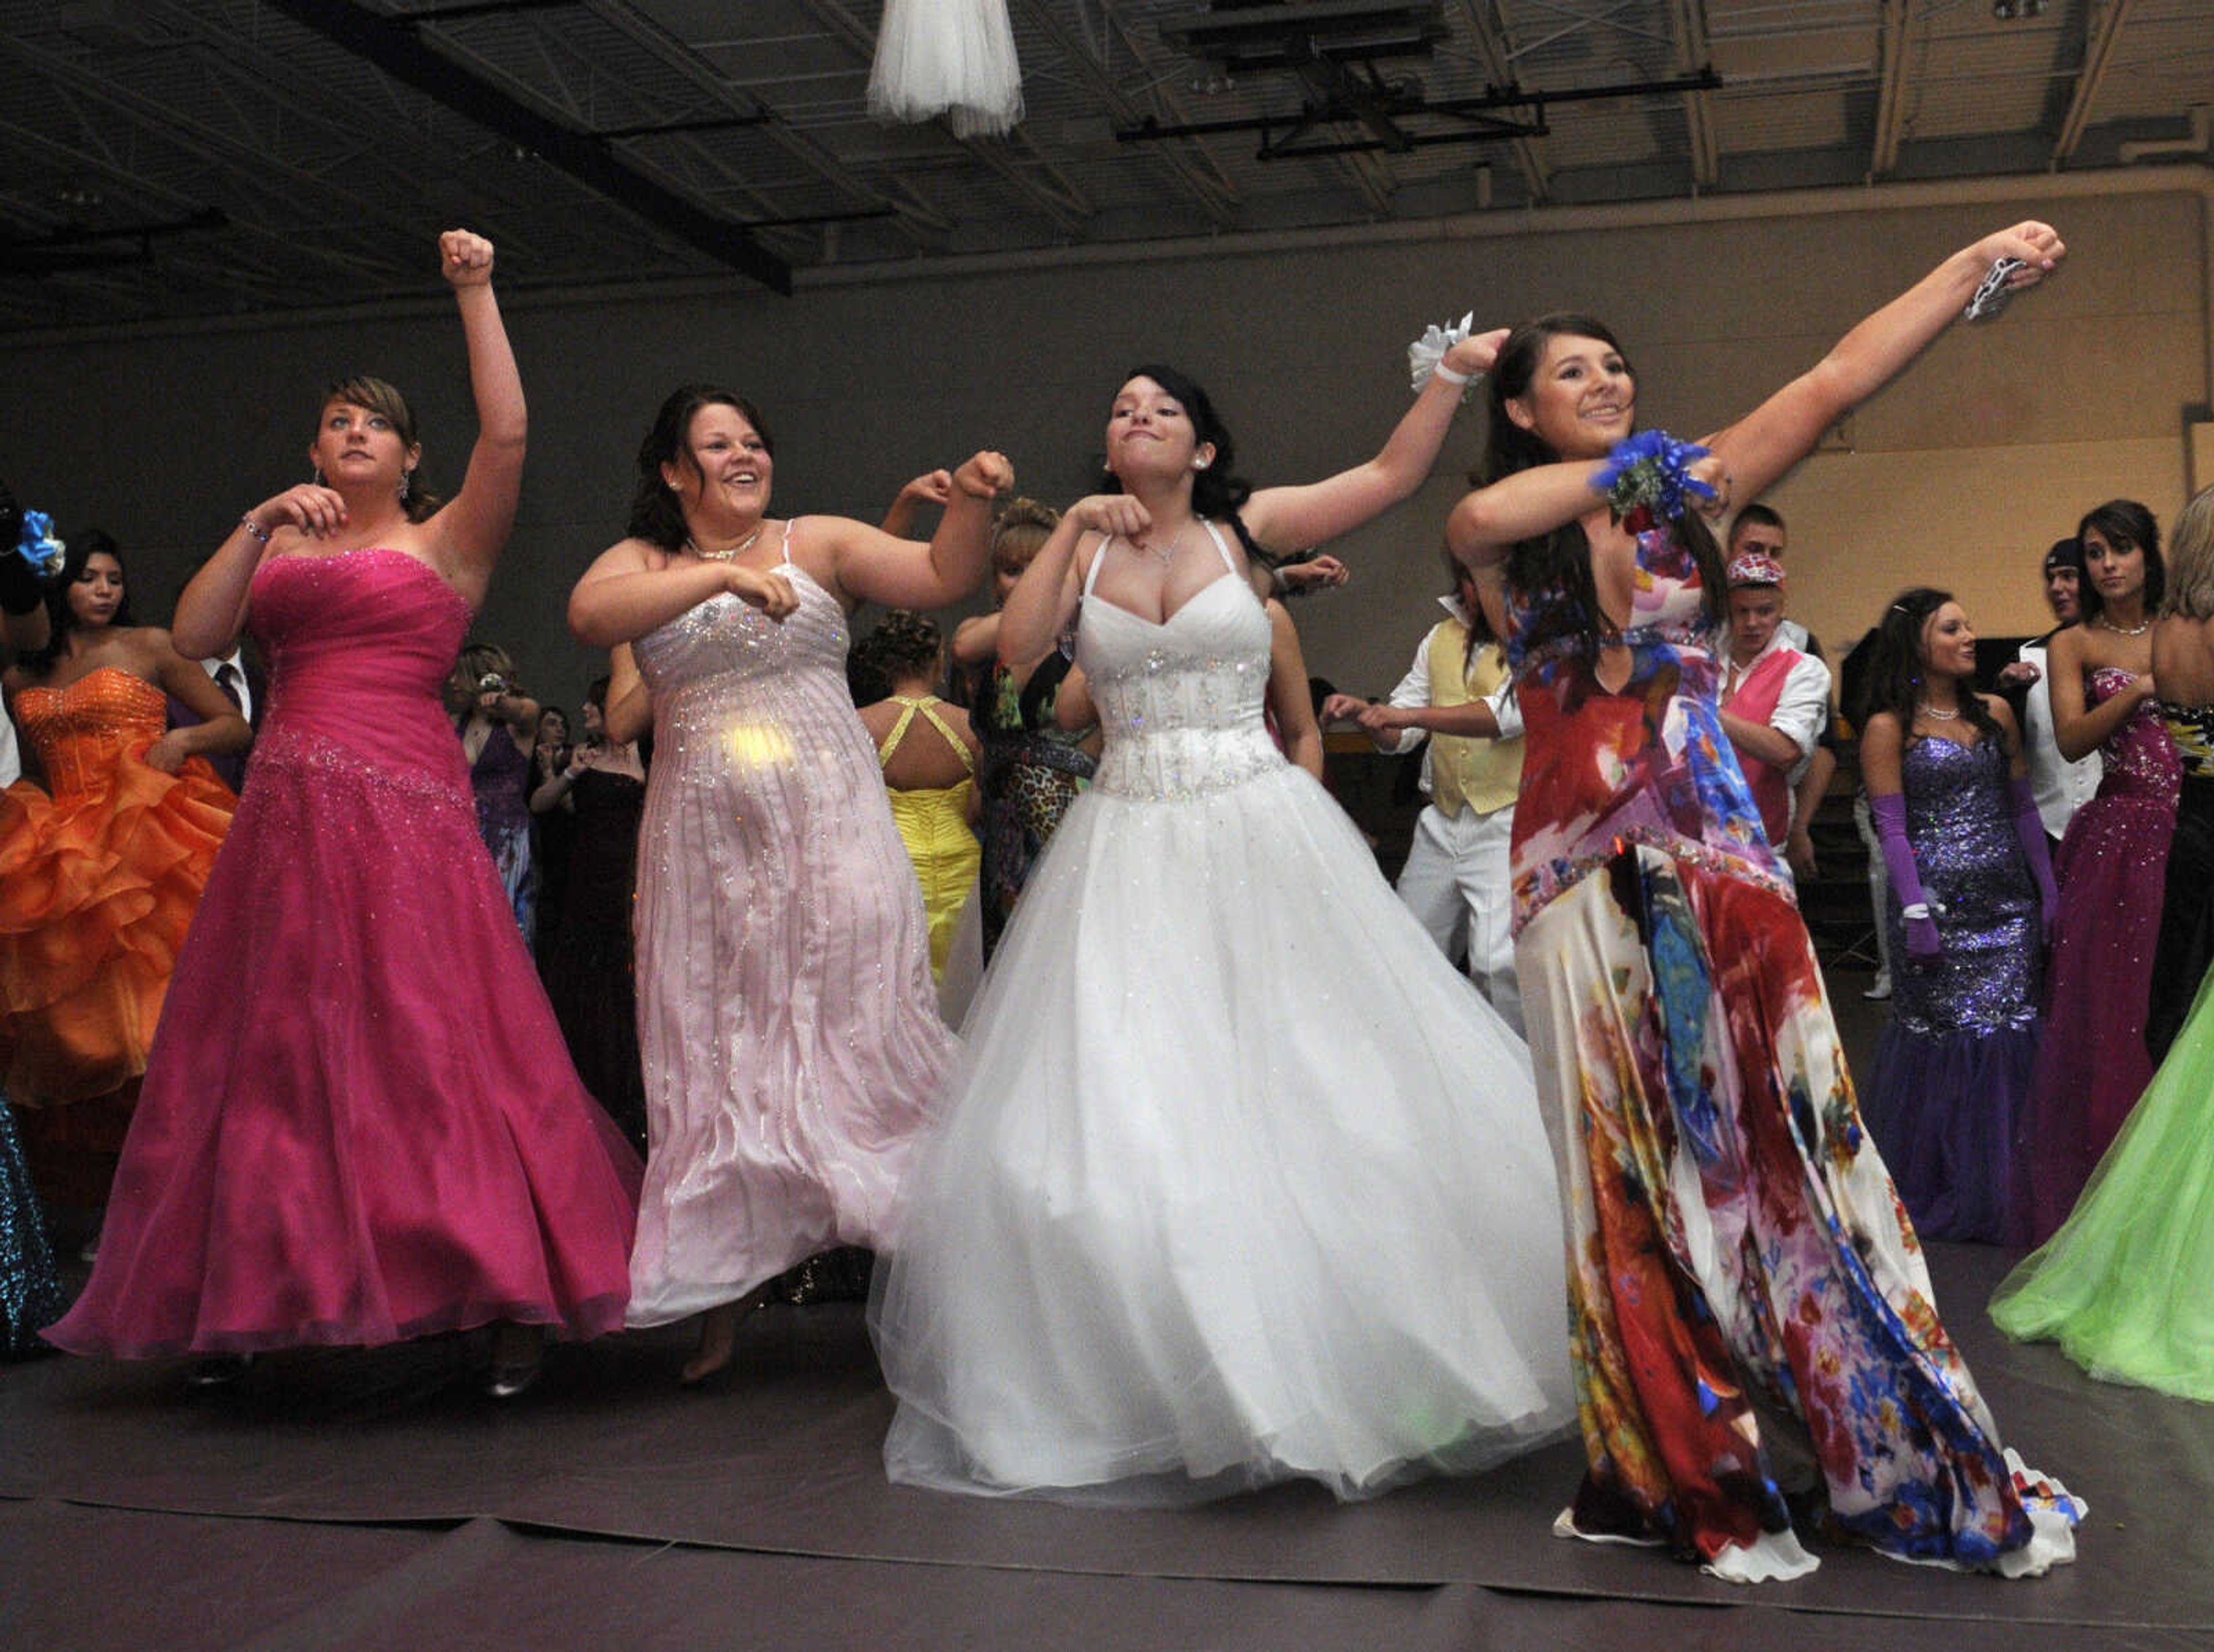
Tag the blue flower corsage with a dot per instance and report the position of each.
(1646, 478)
(39, 544)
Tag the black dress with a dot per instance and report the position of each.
(588, 970)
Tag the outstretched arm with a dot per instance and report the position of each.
(469, 532)
(1758, 449)
(1292, 517)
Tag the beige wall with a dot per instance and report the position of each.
(1993, 447)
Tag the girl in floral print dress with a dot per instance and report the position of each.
(1754, 1336)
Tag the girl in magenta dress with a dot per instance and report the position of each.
(358, 1124)
(2093, 1064)
(1756, 1347)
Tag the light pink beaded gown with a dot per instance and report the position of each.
(787, 1025)
(359, 1122)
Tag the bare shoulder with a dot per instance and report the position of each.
(2001, 713)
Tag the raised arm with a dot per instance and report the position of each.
(1291, 518)
(470, 531)
(1758, 449)
(932, 488)
(871, 565)
(1489, 522)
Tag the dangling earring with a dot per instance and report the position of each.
(405, 477)
(318, 476)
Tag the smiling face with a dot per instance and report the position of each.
(1948, 644)
(1581, 400)
(723, 475)
(97, 592)
(1150, 437)
(595, 721)
(2115, 566)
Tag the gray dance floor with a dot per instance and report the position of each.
(343, 1500)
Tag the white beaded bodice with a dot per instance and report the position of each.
(1181, 702)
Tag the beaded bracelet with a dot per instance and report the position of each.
(254, 527)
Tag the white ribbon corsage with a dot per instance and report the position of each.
(1427, 354)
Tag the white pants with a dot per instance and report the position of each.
(1459, 886)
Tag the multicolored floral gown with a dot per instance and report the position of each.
(1745, 1294)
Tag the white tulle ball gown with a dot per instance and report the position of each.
(1238, 1180)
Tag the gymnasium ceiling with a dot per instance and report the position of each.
(166, 159)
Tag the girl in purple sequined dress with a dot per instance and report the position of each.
(1971, 897)
(2112, 868)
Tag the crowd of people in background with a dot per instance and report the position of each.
(794, 943)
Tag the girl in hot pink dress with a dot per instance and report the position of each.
(359, 1124)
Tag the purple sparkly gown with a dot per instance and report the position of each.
(2092, 1064)
(1953, 1065)
(501, 779)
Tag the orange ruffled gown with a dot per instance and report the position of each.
(99, 880)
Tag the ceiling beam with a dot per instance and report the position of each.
(1208, 189)
(1494, 49)
(920, 220)
(1687, 21)
(2098, 42)
(1896, 35)
(398, 51)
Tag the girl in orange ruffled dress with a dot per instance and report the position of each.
(100, 868)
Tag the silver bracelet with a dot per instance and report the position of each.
(254, 527)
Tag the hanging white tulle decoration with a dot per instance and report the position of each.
(950, 57)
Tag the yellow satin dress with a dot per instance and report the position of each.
(933, 824)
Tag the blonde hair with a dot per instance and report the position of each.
(2190, 593)
(1023, 526)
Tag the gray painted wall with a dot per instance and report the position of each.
(1961, 474)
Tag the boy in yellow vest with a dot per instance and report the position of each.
(1458, 694)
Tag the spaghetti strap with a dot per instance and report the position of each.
(1220, 549)
(1092, 574)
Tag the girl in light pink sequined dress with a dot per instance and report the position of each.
(787, 1026)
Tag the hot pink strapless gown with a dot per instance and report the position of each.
(359, 1122)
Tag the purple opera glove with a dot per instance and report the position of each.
(1889, 814)
(2029, 828)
